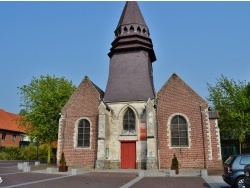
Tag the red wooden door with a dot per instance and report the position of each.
(128, 155)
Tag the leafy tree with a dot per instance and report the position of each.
(232, 100)
(41, 101)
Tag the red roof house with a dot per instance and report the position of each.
(10, 133)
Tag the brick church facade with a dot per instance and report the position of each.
(130, 125)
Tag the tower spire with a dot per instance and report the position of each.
(131, 57)
(131, 15)
(132, 32)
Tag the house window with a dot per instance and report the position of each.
(129, 121)
(14, 137)
(179, 132)
(3, 136)
(83, 136)
(22, 137)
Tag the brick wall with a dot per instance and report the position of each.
(8, 141)
(176, 97)
(82, 105)
(216, 161)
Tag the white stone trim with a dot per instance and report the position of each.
(60, 136)
(217, 129)
(121, 115)
(207, 128)
(134, 138)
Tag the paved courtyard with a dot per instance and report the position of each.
(39, 177)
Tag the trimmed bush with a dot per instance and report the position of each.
(11, 153)
(29, 152)
(4, 156)
(25, 152)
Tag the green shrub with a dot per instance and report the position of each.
(175, 163)
(62, 161)
(29, 152)
(43, 151)
(11, 153)
(4, 156)
(25, 152)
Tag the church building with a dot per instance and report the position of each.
(130, 125)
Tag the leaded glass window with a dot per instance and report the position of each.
(179, 131)
(129, 121)
(83, 136)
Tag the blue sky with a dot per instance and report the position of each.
(199, 41)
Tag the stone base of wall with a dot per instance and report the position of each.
(152, 164)
(114, 164)
(102, 164)
(141, 165)
(107, 164)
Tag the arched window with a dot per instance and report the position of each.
(138, 29)
(131, 29)
(83, 136)
(179, 132)
(125, 30)
(129, 121)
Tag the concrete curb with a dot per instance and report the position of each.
(129, 184)
(215, 181)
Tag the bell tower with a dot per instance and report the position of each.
(131, 58)
(127, 117)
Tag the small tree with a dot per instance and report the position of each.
(175, 164)
(62, 161)
(42, 101)
(63, 167)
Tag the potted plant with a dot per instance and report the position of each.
(175, 164)
(63, 167)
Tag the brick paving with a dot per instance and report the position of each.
(171, 182)
(90, 180)
(38, 178)
(9, 170)
(23, 178)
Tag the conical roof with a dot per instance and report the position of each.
(132, 32)
(131, 57)
(131, 15)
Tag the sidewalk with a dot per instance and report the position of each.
(216, 182)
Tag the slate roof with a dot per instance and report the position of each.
(174, 77)
(213, 115)
(132, 33)
(130, 78)
(78, 91)
(131, 58)
(8, 121)
(100, 91)
(131, 14)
